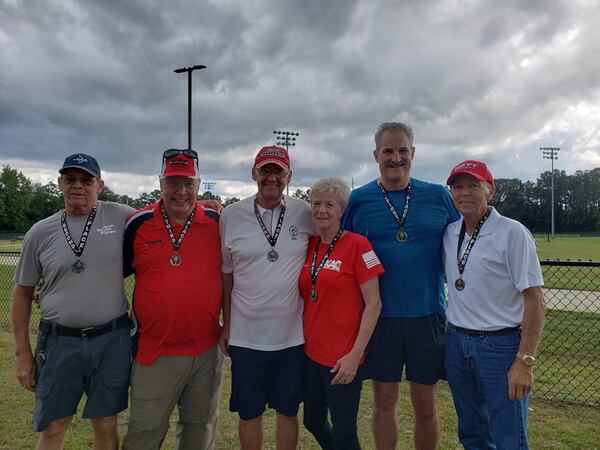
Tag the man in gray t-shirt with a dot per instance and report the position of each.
(83, 345)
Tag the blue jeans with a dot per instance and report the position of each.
(342, 400)
(477, 369)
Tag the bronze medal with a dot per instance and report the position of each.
(313, 294)
(459, 284)
(175, 260)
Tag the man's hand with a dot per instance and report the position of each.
(346, 368)
(520, 380)
(224, 341)
(25, 372)
(212, 204)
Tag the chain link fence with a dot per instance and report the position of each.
(568, 362)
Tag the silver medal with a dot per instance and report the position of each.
(78, 267)
(175, 260)
(273, 256)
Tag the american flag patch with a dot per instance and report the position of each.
(370, 259)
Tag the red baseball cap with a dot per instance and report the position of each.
(474, 168)
(272, 155)
(180, 165)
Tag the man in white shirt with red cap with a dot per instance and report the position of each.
(495, 314)
(264, 240)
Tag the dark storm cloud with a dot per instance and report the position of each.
(485, 78)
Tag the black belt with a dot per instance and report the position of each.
(500, 332)
(87, 332)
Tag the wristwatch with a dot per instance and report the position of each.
(528, 360)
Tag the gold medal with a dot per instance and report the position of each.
(402, 236)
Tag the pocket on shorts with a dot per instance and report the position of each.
(43, 390)
(116, 379)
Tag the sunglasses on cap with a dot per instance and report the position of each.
(175, 151)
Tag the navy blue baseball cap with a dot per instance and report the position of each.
(83, 162)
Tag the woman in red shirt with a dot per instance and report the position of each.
(340, 287)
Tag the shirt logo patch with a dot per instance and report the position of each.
(370, 259)
(293, 230)
(333, 264)
(107, 229)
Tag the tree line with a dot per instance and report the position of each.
(577, 200)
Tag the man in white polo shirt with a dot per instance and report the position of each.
(495, 314)
(264, 240)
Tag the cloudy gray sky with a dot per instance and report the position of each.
(486, 79)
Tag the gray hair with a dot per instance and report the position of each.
(332, 184)
(488, 187)
(393, 126)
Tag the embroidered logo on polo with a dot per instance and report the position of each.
(293, 230)
(107, 229)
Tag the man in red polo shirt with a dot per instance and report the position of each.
(173, 247)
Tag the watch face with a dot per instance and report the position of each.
(528, 360)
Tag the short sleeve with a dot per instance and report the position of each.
(521, 259)
(29, 269)
(366, 262)
(227, 266)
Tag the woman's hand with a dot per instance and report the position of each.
(346, 368)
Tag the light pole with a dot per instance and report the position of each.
(287, 139)
(551, 153)
(209, 186)
(189, 71)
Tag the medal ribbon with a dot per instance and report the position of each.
(77, 249)
(314, 270)
(272, 239)
(400, 219)
(462, 262)
(176, 241)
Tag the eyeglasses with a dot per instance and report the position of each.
(175, 151)
(267, 172)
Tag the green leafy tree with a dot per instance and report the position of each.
(108, 195)
(15, 197)
(148, 198)
(229, 200)
(302, 194)
(45, 201)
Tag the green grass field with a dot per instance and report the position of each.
(551, 425)
(567, 370)
(568, 248)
